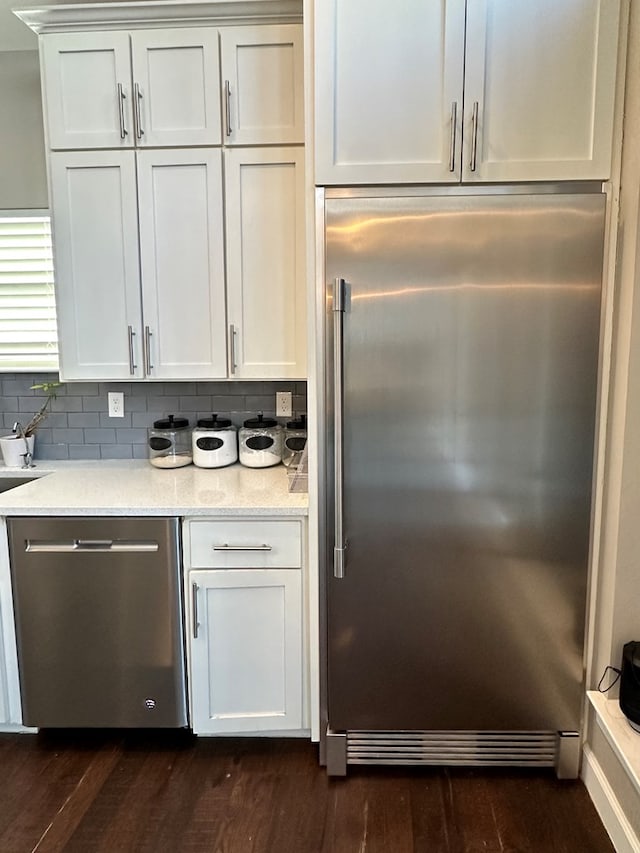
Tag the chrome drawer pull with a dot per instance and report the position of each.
(242, 547)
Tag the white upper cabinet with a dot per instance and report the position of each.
(182, 263)
(120, 90)
(87, 90)
(388, 84)
(262, 74)
(140, 291)
(265, 262)
(175, 87)
(179, 226)
(521, 91)
(97, 263)
(543, 78)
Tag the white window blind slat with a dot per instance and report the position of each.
(28, 335)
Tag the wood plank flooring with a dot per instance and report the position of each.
(159, 792)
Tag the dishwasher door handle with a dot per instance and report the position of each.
(44, 546)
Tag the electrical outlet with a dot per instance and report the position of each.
(116, 404)
(283, 404)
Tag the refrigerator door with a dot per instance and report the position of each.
(470, 349)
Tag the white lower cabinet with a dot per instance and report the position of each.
(10, 708)
(246, 650)
(245, 627)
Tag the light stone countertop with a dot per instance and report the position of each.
(134, 487)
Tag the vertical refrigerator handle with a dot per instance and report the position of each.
(338, 312)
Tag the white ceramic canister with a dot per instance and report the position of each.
(215, 443)
(15, 449)
(170, 443)
(260, 441)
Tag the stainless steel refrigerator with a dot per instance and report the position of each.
(461, 351)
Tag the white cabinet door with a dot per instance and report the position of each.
(176, 86)
(87, 90)
(388, 91)
(182, 262)
(539, 90)
(246, 650)
(543, 77)
(266, 262)
(95, 228)
(120, 89)
(262, 70)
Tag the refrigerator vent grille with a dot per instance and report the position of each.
(482, 749)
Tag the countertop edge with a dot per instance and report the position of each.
(135, 488)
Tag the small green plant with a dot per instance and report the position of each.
(49, 389)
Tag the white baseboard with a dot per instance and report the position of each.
(611, 814)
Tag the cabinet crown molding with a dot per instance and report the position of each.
(158, 13)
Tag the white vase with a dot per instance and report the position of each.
(13, 449)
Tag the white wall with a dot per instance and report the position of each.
(22, 163)
(618, 587)
(618, 597)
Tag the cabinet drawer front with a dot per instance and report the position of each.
(250, 544)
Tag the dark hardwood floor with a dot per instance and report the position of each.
(97, 792)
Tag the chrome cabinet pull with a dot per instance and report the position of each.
(227, 106)
(132, 364)
(339, 547)
(147, 349)
(226, 547)
(121, 99)
(232, 349)
(137, 110)
(452, 137)
(194, 607)
(474, 136)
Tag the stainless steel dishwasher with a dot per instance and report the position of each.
(99, 621)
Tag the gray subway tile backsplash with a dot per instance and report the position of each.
(84, 419)
(79, 427)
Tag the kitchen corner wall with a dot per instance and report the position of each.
(23, 182)
(79, 426)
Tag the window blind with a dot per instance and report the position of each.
(28, 337)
